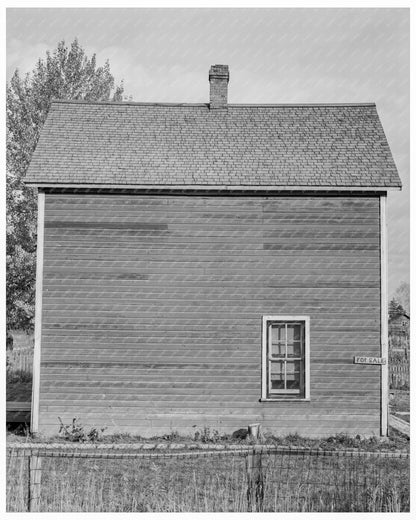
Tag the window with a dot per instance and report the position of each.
(285, 370)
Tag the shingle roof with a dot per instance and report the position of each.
(188, 145)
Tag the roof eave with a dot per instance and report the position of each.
(211, 187)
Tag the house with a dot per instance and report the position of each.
(399, 324)
(212, 265)
(399, 332)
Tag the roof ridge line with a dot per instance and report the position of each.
(232, 105)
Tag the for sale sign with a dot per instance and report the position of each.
(363, 360)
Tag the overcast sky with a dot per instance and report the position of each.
(275, 56)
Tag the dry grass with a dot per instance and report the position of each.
(214, 483)
(399, 401)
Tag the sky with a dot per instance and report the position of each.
(302, 55)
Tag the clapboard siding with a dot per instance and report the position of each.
(152, 309)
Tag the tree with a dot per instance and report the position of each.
(66, 73)
(402, 295)
(395, 309)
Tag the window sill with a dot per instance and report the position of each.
(285, 399)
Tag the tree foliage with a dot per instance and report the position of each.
(66, 73)
(395, 309)
(402, 296)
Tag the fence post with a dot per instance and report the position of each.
(255, 432)
(255, 480)
(35, 475)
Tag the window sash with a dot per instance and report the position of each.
(286, 348)
(286, 390)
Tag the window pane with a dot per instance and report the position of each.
(278, 350)
(277, 375)
(278, 343)
(293, 375)
(278, 333)
(293, 332)
(294, 349)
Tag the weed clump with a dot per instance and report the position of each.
(207, 435)
(75, 432)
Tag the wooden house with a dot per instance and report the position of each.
(212, 265)
(399, 332)
(399, 324)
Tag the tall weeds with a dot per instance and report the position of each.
(216, 483)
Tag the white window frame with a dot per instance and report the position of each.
(265, 384)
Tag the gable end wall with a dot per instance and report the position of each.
(152, 310)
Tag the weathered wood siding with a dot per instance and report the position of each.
(153, 305)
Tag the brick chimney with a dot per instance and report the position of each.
(218, 86)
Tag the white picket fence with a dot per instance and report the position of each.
(399, 375)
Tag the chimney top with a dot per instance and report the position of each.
(219, 71)
(219, 77)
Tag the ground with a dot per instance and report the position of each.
(395, 442)
(400, 404)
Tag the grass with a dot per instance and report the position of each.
(400, 404)
(399, 401)
(405, 417)
(213, 483)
